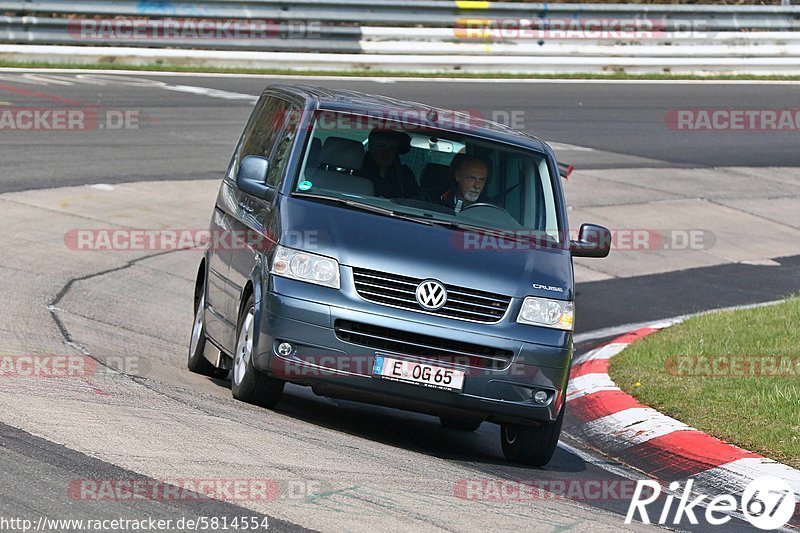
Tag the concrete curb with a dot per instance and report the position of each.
(612, 422)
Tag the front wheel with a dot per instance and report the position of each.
(247, 383)
(531, 445)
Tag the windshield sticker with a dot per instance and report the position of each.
(305, 185)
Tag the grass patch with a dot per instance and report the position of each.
(760, 413)
(164, 67)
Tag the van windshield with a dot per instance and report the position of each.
(440, 177)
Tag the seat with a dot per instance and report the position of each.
(342, 154)
(339, 160)
(435, 176)
(434, 181)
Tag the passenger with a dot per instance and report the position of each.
(470, 174)
(382, 164)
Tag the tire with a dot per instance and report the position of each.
(531, 445)
(247, 383)
(197, 362)
(461, 424)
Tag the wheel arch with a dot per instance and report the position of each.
(200, 282)
(252, 287)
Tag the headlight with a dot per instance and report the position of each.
(555, 314)
(304, 266)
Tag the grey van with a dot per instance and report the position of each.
(393, 253)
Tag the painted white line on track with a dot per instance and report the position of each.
(387, 79)
(124, 81)
(213, 93)
(569, 147)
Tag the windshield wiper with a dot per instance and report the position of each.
(367, 207)
(488, 231)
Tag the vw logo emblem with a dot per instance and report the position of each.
(431, 294)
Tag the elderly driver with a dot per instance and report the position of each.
(470, 174)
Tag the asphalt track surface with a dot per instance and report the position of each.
(190, 136)
(40, 470)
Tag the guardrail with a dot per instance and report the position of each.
(429, 13)
(444, 35)
(276, 37)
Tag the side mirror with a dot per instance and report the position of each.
(593, 241)
(252, 176)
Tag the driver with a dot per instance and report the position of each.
(470, 173)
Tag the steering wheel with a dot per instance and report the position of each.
(484, 204)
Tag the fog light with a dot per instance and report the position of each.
(285, 349)
(540, 397)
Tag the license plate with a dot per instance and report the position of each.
(435, 377)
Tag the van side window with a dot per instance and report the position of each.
(280, 157)
(266, 128)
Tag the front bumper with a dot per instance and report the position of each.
(335, 367)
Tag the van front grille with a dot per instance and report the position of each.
(400, 291)
(424, 346)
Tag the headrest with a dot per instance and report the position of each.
(401, 139)
(338, 152)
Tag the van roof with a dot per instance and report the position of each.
(344, 100)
